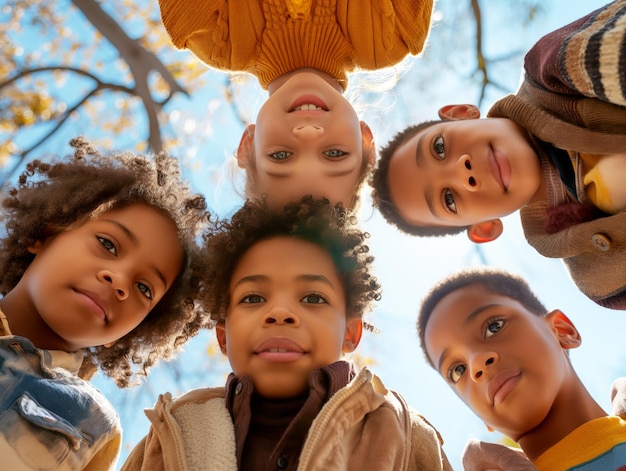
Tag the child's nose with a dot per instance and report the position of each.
(466, 173)
(479, 365)
(308, 131)
(281, 315)
(117, 282)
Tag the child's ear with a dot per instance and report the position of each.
(489, 427)
(565, 330)
(368, 142)
(108, 345)
(220, 333)
(246, 146)
(462, 111)
(485, 231)
(352, 337)
(35, 248)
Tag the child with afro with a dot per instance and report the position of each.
(506, 356)
(287, 291)
(554, 150)
(308, 139)
(95, 259)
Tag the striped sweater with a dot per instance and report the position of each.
(573, 97)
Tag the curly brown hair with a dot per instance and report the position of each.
(332, 228)
(51, 197)
(381, 192)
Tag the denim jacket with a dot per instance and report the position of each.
(49, 417)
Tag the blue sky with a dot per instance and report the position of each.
(406, 266)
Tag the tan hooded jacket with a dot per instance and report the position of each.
(362, 426)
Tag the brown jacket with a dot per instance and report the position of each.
(362, 426)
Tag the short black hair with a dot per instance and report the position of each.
(493, 280)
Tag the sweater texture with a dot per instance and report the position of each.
(574, 99)
(269, 38)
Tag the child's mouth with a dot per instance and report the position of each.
(308, 103)
(500, 169)
(307, 107)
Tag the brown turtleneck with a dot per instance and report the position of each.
(270, 433)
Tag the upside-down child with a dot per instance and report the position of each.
(287, 290)
(555, 150)
(94, 267)
(506, 356)
(308, 139)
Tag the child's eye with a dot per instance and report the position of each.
(455, 372)
(334, 153)
(493, 327)
(145, 290)
(107, 244)
(314, 299)
(448, 201)
(439, 147)
(253, 299)
(280, 155)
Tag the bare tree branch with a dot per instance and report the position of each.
(140, 61)
(101, 86)
(63, 68)
(481, 63)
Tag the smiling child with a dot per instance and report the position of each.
(308, 139)
(554, 150)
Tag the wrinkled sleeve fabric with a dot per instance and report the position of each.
(383, 32)
(586, 57)
(483, 456)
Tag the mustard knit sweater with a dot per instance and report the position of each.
(269, 38)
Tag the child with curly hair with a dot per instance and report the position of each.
(95, 259)
(506, 356)
(287, 291)
(307, 138)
